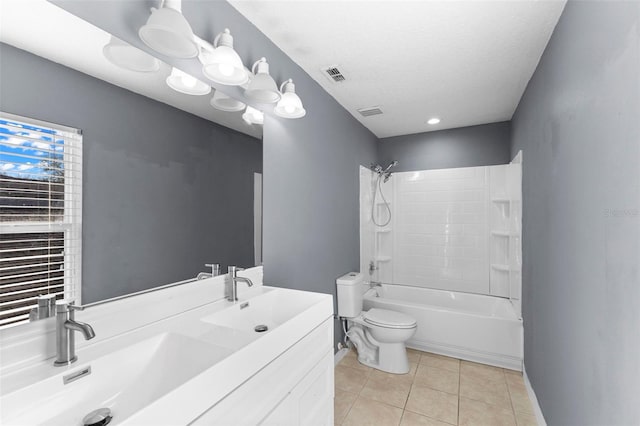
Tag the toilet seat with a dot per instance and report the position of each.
(388, 319)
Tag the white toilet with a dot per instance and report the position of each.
(378, 334)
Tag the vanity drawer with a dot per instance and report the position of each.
(259, 396)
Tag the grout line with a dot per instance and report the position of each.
(459, 391)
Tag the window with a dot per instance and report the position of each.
(40, 214)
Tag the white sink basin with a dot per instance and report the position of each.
(272, 308)
(170, 371)
(124, 381)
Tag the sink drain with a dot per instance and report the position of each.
(99, 417)
(261, 328)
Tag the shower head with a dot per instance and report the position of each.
(392, 164)
(387, 171)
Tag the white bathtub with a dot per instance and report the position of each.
(474, 327)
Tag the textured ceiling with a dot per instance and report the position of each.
(46, 30)
(466, 62)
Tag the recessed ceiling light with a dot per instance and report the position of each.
(433, 121)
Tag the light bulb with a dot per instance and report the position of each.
(189, 81)
(290, 109)
(226, 69)
(433, 121)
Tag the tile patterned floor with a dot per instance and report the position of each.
(437, 391)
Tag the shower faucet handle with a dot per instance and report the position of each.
(372, 267)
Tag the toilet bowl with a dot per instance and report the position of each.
(379, 335)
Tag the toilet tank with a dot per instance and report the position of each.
(350, 294)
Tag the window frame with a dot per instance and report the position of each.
(71, 225)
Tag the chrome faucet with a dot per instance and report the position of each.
(231, 289)
(215, 271)
(65, 326)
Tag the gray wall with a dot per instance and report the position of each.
(578, 126)
(483, 145)
(164, 191)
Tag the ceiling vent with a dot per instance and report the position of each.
(334, 74)
(368, 112)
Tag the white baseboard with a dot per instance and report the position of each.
(534, 400)
(339, 355)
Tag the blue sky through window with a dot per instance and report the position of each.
(29, 152)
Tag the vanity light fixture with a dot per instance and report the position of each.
(262, 88)
(290, 105)
(225, 103)
(253, 116)
(168, 32)
(123, 55)
(222, 64)
(433, 121)
(182, 82)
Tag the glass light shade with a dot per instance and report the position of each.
(223, 65)
(225, 103)
(290, 105)
(131, 58)
(253, 116)
(168, 32)
(262, 88)
(184, 83)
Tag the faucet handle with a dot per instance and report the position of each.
(215, 268)
(231, 269)
(65, 305)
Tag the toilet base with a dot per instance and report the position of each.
(392, 358)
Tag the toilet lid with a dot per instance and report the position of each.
(389, 319)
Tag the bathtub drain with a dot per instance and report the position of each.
(261, 328)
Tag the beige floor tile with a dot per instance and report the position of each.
(414, 355)
(368, 412)
(388, 389)
(513, 372)
(476, 413)
(481, 389)
(439, 361)
(486, 372)
(514, 379)
(381, 375)
(520, 398)
(349, 379)
(526, 419)
(432, 403)
(413, 419)
(351, 360)
(342, 403)
(438, 378)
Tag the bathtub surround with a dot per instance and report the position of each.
(451, 229)
(577, 125)
(482, 145)
(154, 177)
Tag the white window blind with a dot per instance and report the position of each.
(40, 214)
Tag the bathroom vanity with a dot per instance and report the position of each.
(202, 362)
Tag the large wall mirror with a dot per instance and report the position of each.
(168, 183)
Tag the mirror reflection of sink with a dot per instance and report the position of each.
(124, 381)
(272, 308)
